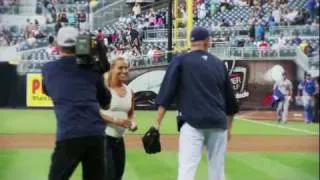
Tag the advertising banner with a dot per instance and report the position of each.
(35, 95)
(252, 82)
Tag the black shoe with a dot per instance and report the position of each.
(279, 120)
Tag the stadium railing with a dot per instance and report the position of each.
(306, 30)
(309, 31)
(314, 62)
(156, 33)
(9, 10)
(245, 53)
(224, 53)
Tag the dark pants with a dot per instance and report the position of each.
(90, 151)
(116, 156)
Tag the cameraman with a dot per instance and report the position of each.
(80, 129)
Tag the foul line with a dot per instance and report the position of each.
(279, 126)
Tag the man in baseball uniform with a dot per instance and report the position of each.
(308, 89)
(284, 85)
(206, 104)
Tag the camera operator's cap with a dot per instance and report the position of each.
(199, 34)
(67, 36)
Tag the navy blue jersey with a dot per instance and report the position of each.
(75, 93)
(201, 84)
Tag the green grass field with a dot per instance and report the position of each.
(43, 122)
(32, 164)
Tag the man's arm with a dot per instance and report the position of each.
(317, 88)
(168, 89)
(103, 94)
(232, 106)
(161, 112)
(44, 89)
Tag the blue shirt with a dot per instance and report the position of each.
(75, 93)
(311, 4)
(307, 87)
(200, 83)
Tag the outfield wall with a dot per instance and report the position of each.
(252, 81)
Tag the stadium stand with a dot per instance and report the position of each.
(9, 6)
(143, 31)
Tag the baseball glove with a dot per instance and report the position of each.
(151, 141)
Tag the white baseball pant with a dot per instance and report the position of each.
(283, 109)
(191, 143)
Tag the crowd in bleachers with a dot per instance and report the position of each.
(31, 35)
(127, 36)
(7, 5)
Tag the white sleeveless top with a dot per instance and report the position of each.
(119, 108)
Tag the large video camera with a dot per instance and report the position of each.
(92, 53)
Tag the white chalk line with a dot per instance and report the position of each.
(278, 126)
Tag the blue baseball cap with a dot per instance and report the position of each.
(199, 34)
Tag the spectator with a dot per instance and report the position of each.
(303, 45)
(134, 34)
(100, 35)
(135, 45)
(71, 18)
(82, 18)
(311, 7)
(308, 50)
(315, 23)
(3, 41)
(291, 16)
(159, 22)
(114, 37)
(276, 13)
(224, 23)
(224, 4)
(117, 51)
(152, 20)
(58, 26)
(300, 18)
(156, 54)
(52, 48)
(271, 23)
(260, 12)
(150, 54)
(260, 32)
(240, 22)
(252, 31)
(136, 9)
(250, 42)
(29, 29)
(281, 41)
(263, 44)
(214, 7)
(64, 19)
(297, 40)
(202, 11)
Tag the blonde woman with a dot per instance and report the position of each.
(120, 116)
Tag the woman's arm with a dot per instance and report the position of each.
(126, 123)
(131, 115)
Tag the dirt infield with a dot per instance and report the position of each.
(269, 115)
(170, 142)
(239, 143)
